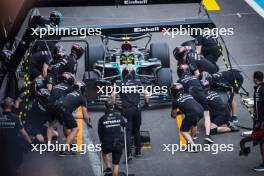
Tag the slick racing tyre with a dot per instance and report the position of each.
(161, 51)
(95, 53)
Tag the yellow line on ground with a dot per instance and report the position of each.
(79, 136)
(179, 123)
(211, 5)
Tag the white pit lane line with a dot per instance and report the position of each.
(256, 7)
(94, 157)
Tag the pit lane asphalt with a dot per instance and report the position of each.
(246, 45)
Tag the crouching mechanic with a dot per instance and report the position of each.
(230, 78)
(110, 131)
(67, 80)
(207, 45)
(37, 116)
(197, 63)
(219, 112)
(66, 106)
(192, 85)
(191, 109)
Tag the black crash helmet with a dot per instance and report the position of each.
(177, 89)
(183, 69)
(68, 77)
(77, 50)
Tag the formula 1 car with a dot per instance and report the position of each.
(106, 65)
(103, 65)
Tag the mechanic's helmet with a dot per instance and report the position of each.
(79, 86)
(43, 95)
(77, 50)
(126, 46)
(180, 52)
(67, 77)
(5, 55)
(58, 52)
(56, 18)
(182, 70)
(177, 89)
(128, 74)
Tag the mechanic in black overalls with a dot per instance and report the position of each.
(66, 106)
(11, 131)
(131, 110)
(191, 109)
(111, 135)
(69, 63)
(207, 45)
(66, 86)
(38, 65)
(228, 78)
(43, 44)
(197, 62)
(66, 63)
(192, 85)
(259, 112)
(37, 116)
(219, 111)
(33, 89)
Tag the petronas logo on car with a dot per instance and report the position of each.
(146, 29)
(129, 2)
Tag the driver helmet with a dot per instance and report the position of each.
(126, 46)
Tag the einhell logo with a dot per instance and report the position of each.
(131, 2)
(154, 29)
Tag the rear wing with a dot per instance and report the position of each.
(132, 28)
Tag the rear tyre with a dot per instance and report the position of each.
(95, 53)
(161, 51)
(90, 79)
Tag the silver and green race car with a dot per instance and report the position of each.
(106, 66)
